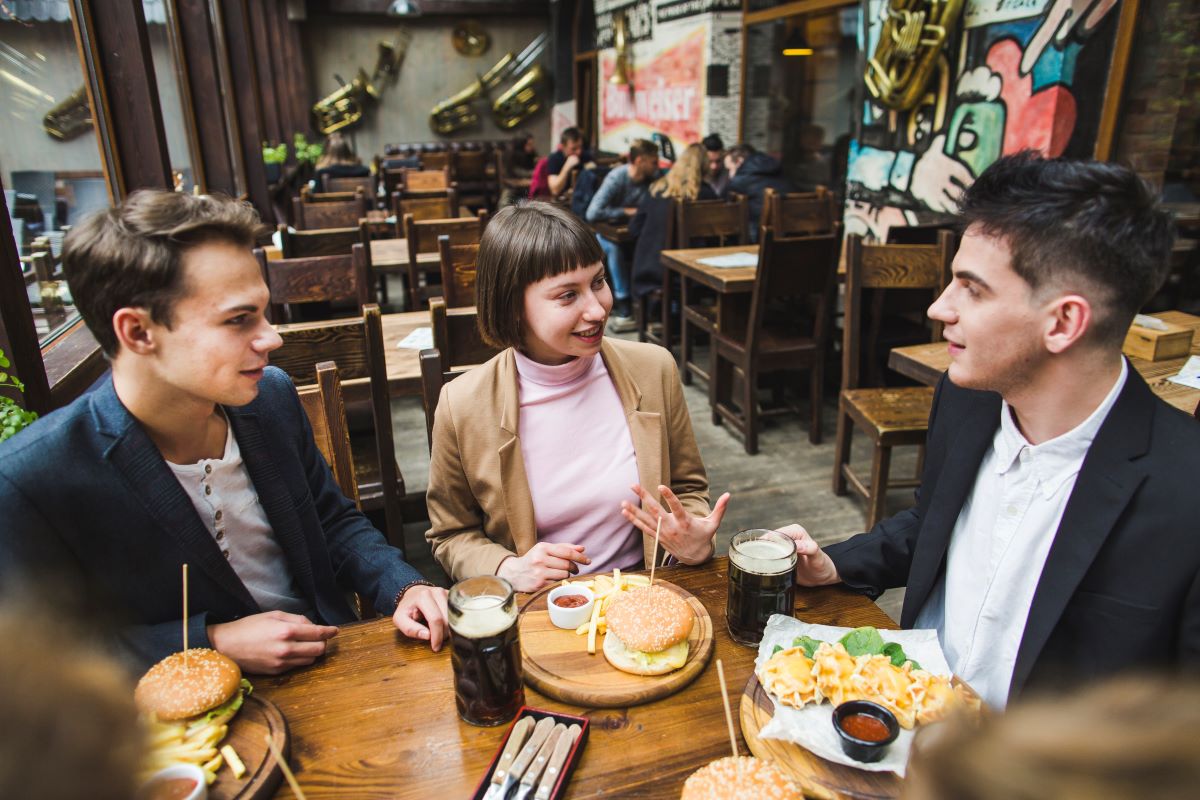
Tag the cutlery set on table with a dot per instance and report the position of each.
(536, 759)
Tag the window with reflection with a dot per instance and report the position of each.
(801, 80)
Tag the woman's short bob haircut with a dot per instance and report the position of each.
(521, 245)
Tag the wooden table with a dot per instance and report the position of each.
(376, 717)
(391, 255)
(926, 363)
(727, 282)
(615, 232)
(403, 363)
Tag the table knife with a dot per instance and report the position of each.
(526, 756)
(554, 766)
(520, 732)
(530, 778)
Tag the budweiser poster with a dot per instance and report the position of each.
(666, 90)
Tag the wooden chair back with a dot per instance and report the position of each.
(468, 165)
(799, 213)
(356, 346)
(425, 180)
(434, 376)
(326, 410)
(721, 222)
(456, 335)
(426, 206)
(422, 237)
(365, 184)
(888, 266)
(328, 214)
(803, 270)
(458, 272)
(315, 279)
(436, 160)
(319, 242)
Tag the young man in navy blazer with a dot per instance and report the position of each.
(194, 451)
(1055, 537)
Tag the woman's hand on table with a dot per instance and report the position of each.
(683, 535)
(271, 642)
(421, 614)
(813, 566)
(544, 564)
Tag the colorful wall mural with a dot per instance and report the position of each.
(1015, 74)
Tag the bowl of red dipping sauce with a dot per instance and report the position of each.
(570, 606)
(866, 729)
(176, 782)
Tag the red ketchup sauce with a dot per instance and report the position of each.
(570, 601)
(865, 727)
(170, 789)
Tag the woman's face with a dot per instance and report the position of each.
(565, 315)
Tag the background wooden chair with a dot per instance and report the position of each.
(315, 279)
(435, 160)
(366, 184)
(356, 345)
(422, 237)
(799, 213)
(415, 181)
(458, 272)
(328, 214)
(469, 174)
(426, 205)
(644, 301)
(894, 416)
(434, 376)
(318, 242)
(456, 335)
(801, 273)
(705, 223)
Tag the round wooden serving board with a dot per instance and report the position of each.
(815, 776)
(556, 661)
(256, 717)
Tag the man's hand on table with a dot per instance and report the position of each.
(687, 537)
(544, 564)
(421, 614)
(813, 567)
(271, 642)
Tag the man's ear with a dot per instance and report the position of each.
(1070, 320)
(135, 330)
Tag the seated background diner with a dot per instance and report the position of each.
(751, 173)
(551, 458)
(338, 160)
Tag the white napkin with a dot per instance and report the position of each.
(742, 259)
(419, 339)
(1189, 375)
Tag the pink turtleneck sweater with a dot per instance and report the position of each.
(579, 459)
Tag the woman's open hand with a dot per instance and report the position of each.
(687, 537)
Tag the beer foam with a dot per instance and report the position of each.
(485, 616)
(762, 556)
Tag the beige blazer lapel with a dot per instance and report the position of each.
(518, 501)
(645, 428)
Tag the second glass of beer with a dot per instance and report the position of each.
(762, 582)
(485, 649)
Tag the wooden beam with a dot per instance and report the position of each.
(215, 171)
(18, 335)
(1118, 68)
(261, 38)
(793, 9)
(235, 29)
(433, 8)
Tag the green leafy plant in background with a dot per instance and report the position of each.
(275, 154)
(13, 418)
(306, 153)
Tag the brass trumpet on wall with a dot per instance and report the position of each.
(620, 76)
(70, 118)
(345, 106)
(518, 102)
(907, 53)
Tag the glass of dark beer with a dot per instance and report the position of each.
(762, 582)
(485, 649)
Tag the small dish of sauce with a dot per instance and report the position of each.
(176, 782)
(571, 601)
(865, 727)
(171, 789)
(570, 606)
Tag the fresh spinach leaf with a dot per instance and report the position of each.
(809, 644)
(863, 641)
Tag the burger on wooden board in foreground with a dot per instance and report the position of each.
(648, 631)
(189, 684)
(739, 778)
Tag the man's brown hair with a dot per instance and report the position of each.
(131, 255)
(642, 147)
(522, 245)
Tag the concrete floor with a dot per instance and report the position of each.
(787, 481)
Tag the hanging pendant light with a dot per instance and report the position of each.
(796, 44)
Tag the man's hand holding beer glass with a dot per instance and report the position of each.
(813, 567)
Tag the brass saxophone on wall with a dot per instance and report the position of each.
(70, 118)
(345, 106)
(907, 53)
(455, 113)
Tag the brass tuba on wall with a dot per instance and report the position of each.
(907, 53)
(455, 113)
(345, 106)
(70, 118)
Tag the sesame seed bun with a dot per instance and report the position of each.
(739, 778)
(178, 687)
(650, 619)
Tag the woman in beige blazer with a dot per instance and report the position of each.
(542, 295)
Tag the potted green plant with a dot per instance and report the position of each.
(274, 157)
(13, 418)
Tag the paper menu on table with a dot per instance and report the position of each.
(419, 339)
(1190, 374)
(731, 260)
(811, 727)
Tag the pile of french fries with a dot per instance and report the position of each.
(195, 743)
(606, 589)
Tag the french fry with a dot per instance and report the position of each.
(233, 760)
(592, 629)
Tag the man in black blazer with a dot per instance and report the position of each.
(193, 451)
(1055, 537)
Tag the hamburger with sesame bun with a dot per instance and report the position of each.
(648, 631)
(739, 778)
(189, 684)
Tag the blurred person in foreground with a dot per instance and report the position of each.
(1127, 738)
(193, 450)
(1054, 535)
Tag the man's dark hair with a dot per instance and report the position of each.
(713, 142)
(1091, 227)
(521, 245)
(740, 152)
(131, 255)
(642, 147)
(571, 135)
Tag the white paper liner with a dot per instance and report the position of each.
(811, 727)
